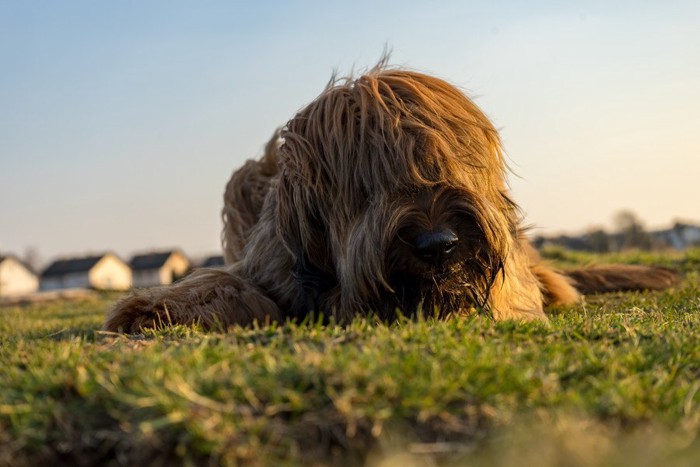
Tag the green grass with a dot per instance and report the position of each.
(612, 382)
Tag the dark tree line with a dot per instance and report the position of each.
(629, 233)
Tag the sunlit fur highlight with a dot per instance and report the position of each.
(324, 221)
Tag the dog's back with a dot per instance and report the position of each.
(244, 197)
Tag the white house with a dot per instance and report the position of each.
(680, 236)
(103, 272)
(161, 268)
(16, 278)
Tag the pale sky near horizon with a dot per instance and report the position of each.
(120, 122)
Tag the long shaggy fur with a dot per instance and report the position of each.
(336, 215)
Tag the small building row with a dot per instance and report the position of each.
(102, 272)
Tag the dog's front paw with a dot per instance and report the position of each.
(133, 314)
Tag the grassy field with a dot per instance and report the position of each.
(613, 382)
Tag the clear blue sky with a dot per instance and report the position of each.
(120, 122)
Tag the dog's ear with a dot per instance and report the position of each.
(300, 224)
(305, 235)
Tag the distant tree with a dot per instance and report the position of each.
(32, 258)
(632, 231)
(597, 240)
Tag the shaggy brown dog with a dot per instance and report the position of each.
(386, 194)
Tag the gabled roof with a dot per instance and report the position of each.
(10, 256)
(15, 258)
(213, 262)
(151, 260)
(72, 265)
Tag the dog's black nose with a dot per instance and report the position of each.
(435, 247)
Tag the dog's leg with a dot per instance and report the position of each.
(567, 287)
(211, 297)
(516, 297)
(622, 277)
(557, 289)
(517, 292)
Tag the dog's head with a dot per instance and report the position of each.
(392, 195)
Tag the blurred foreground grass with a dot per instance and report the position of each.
(613, 382)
